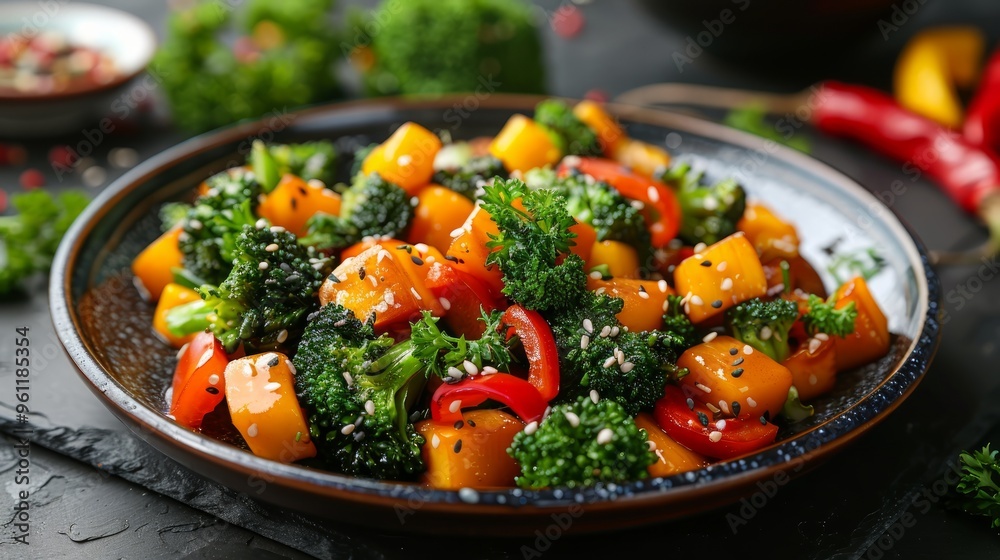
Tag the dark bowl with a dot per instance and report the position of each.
(104, 324)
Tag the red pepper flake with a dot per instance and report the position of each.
(62, 156)
(567, 21)
(32, 179)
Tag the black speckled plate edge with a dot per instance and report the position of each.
(505, 511)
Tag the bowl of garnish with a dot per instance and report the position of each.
(62, 67)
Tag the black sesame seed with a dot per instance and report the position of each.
(417, 260)
(472, 423)
(690, 403)
(738, 361)
(736, 408)
(763, 420)
(703, 419)
(733, 351)
(333, 278)
(212, 390)
(303, 191)
(717, 303)
(295, 203)
(706, 263)
(737, 372)
(361, 273)
(459, 425)
(642, 288)
(458, 446)
(451, 258)
(273, 362)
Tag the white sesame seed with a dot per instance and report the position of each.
(213, 379)
(703, 388)
(247, 369)
(710, 204)
(421, 247)
(696, 300)
(700, 247)
(388, 297)
(455, 406)
(637, 204)
(765, 333)
(277, 229)
(715, 436)
(445, 303)
(347, 430)
(747, 349)
(573, 419)
(609, 362)
(183, 349)
(262, 265)
(457, 232)
(710, 337)
(272, 386)
(530, 428)
(415, 294)
(744, 389)
(584, 342)
(340, 323)
(727, 284)
(822, 336)
(594, 397)
(751, 402)
(470, 367)
(348, 378)
(261, 223)
(620, 356)
(651, 444)
(662, 284)
(714, 409)
(653, 194)
(455, 373)
(383, 254)
(605, 436)
(605, 331)
(370, 407)
(627, 367)
(435, 441)
(596, 275)
(588, 326)
(205, 357)
(721, 424)
(614, 331)
(489, 370)
(271, 248)
(252, 430)
(600, 291)
(643, 294)
(404, 160)
(282, 336)
(723, 406)
(721, 267)
(814, 344)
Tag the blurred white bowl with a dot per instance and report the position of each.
(126, 39)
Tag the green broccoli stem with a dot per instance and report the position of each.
(189, 318)
(397, 373)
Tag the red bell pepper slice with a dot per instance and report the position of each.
(539, 347)
(466, 296)
(686, 425)
(199, 380)
(522, 397)
(653, 194)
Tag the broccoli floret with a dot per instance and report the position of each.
(357, 390)
(358, 159)
(173, 214)
(709, 212)
(764, 325)
(266, 297)
(571, 134)
(582, 444)
(635, 380)
(442, 46)
(676, 322)
(445, 355)
(212, 225)
(310, 160)
(824, 317)
(600, 205)
(371, 206)
(529, 244)
(468, 174)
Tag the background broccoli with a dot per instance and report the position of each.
(572, 136)
(764, 325)
(442, 46)
(582, 444)
(309, 160)
(265, 299)
(357, 390)
(709, 213)
(370, 206)
(824, 317)
(466, 173)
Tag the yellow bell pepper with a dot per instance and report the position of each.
(523, 144)
(932, 65)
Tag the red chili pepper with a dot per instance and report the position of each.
(521, 396)
(539, 347)
(982, 120)
(693, 427)
(199, 380)
(966, 172)
(653, 194)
